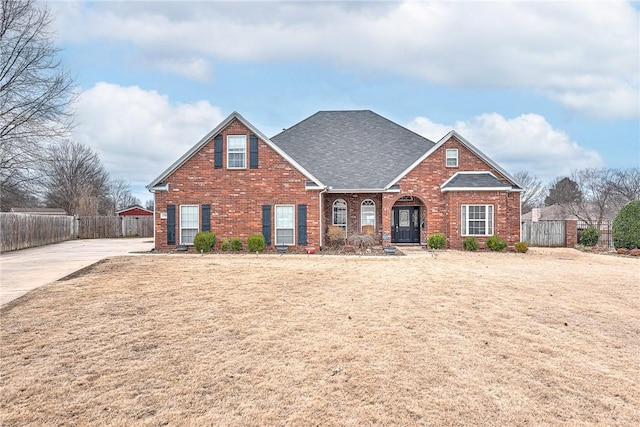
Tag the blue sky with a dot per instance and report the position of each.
(546, 87)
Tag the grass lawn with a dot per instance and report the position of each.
(550, 337)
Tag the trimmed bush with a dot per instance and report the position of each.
(521, 247)
(496, 244)
(224, 247)
(362, 241)
(256, 243)
(590, 236)
(626, 226)
(437, 241)
(335, 236)
(236, 244)
(470, 244)
(204, 241)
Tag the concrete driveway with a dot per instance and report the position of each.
(21, 271)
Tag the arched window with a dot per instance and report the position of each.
(368, 217)
(340, 214)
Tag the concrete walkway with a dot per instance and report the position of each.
(21, 271)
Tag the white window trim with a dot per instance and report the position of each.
(447, 157)
(373, 204)
(488, 225)
(197, 228)
(245, 151)
(346, 215)
(276, 228)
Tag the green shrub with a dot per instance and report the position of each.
(204, 241)
(256, 243)
(495, 243)
(590, 236)
(626, 226)
(470, 244)
(521, 247)
(437, 241)
(225, 245)
(236, 244)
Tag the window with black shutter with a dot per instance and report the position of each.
(171, 224)
(266, 224)
(217, 152)
(302, 225)
(253, 152)
(206, 217)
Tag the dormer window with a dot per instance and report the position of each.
(452, 157)
(236, 152)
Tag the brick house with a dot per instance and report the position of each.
(352, 169)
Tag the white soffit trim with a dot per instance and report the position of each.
(501, 188)
(363, 190)
(444, 190)
(160, 187)
(235, 115)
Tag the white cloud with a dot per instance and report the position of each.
(584, 55)
(527, 142)
(139, 133)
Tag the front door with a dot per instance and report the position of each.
(405, 224)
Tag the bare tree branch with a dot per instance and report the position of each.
(75, 179)
(35, 96)
(534, 190)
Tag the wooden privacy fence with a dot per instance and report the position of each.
(106, 227)
(21, 231)
(544, 233)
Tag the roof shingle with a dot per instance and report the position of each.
(352, 149)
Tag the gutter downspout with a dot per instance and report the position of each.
(154, 218)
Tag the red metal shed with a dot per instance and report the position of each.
(135, 210)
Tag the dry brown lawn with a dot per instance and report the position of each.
(547, 338)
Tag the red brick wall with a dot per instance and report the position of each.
(236, 196)
(442, 210)
(571, 233)
(354, 202)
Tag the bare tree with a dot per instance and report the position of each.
(598, 195)
(534, 190)
(149, 204)
(75, 180)
(120, 196)
(35, 95)
(626, 184)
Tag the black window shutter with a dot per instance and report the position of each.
(266, 224)
(171, 224)
(253, 152)
(217, 152)
(206, 217)
(302, 225)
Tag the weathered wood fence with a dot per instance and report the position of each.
(21, 231)
(544, 233)
(106, 227)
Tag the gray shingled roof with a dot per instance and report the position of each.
(474, 180)
(352, 149)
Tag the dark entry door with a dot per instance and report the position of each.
(405, 225)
